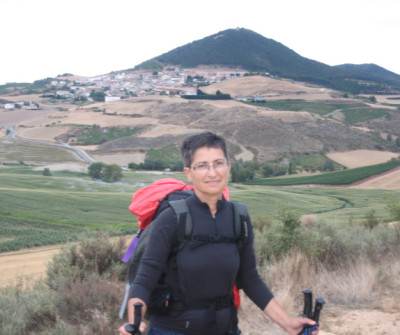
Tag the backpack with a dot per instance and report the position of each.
(147, 203)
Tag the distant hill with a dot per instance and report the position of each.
(372, 72)
(251, 51)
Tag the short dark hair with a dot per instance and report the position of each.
(203, 140)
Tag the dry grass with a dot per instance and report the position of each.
(361, 298)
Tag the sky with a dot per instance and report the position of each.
(46, 38)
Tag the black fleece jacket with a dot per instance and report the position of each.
(205, 272)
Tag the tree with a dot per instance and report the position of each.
(292, 168)
(328, 165)
(393, 206)
(108, 173)
(370, 219)
(242, 171)
(291, 224)
(267, 171)
(98, 96)
(47, 172)
(95, 170)
(111, 173)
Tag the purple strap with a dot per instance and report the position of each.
(130, 249)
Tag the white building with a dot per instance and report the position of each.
(109, 99)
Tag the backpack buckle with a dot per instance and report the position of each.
(215, 238)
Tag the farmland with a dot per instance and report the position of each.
(343, 177)
(68, 205)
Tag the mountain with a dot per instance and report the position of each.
(372, 72)
(251, 51)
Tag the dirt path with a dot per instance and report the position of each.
(26, 265)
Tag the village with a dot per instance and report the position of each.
(131, 83)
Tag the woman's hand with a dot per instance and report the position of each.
(292, 326)
(142, 329)
(296, 325)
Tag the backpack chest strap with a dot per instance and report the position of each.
(211, 239)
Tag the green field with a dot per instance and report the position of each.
(35, 152)
(342, 177)
(96, 134)
(70, 204)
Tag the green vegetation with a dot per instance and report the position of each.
(204, 96)
(363, 114)
(393, 206)
(342, 177)
(314, 162)
(167, 157)
(12, 151)
(110, 173)
(19, 233)
(151, 64)
(82, 293)
(84, 283)
(97, 135)
(85, 280)
(74, 200)
(9, 87)
(98, 96)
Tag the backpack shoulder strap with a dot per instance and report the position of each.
(241, 214)
(185, 225)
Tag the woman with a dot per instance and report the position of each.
(206, 272)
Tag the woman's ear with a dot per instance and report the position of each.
(188, 173)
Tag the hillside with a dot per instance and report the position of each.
(253, 52)
(295, 119)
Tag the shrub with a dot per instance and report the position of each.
(95, 255)
(105, 172)
(332, 244)
(370, 219)
(393, 206)
(27, 311)
(47, 172)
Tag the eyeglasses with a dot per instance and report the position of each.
(219, 165)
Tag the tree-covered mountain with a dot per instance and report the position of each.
(251, 51)
(372, 72)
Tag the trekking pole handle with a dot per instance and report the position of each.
(134, 328)
(307, 312)
(318, 307)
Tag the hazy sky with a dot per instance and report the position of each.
(45, 38)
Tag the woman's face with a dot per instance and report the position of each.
(209, 172)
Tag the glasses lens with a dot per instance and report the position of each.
(218, 165)
(201, 167)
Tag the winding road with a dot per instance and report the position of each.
(11, 133)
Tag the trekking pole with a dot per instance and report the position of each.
(134, 328)
(318, 307)
(307, 312)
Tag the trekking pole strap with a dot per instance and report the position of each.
(124, 301)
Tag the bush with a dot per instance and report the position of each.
(47, 172)
(334, 245)
(95, 255)
(108, 173)
(393, 206)
(27, 311)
